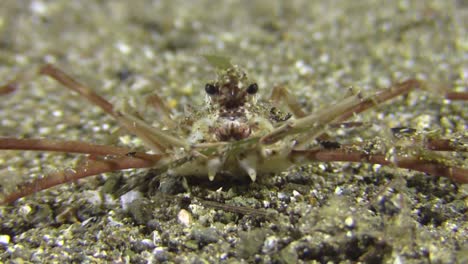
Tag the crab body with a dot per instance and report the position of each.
(233, 114)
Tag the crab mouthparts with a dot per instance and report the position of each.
(233, 130)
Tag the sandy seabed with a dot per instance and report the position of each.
(323, 212)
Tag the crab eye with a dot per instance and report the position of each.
(252, 89)
(211, 89)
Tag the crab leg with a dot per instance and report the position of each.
(445, 145)
(315, 123)
(164, 140)
(158, 141)
(397, 90)
(433, 144)
(72, 84)
(350, 106)
(7, 143)
(463, 96)
(280, 94)
(387, 94)
(161, 108)
(91, 168)
(6, 89)
(432, 167)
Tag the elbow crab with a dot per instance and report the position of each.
(238, 135)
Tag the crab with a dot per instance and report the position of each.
(237, 135)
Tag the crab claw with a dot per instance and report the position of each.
(213, 167)
(249, 166)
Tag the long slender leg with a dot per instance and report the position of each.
(23, 77)
(313, 123)
(434, 167)
(163, 139)
(435, 144)
(6, 89)
(281, 95)
(445, 145)
(397, 90)
(316, 123)
(93, 167)
(70, 147)
(387, 94)
(463, 96)
(161, 108)
(123, 158)
(158, 140)
(86, 92)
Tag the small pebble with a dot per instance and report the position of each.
(205, 235)
(128, 198)
(184, 217)
(4, 239)
(349, 222)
